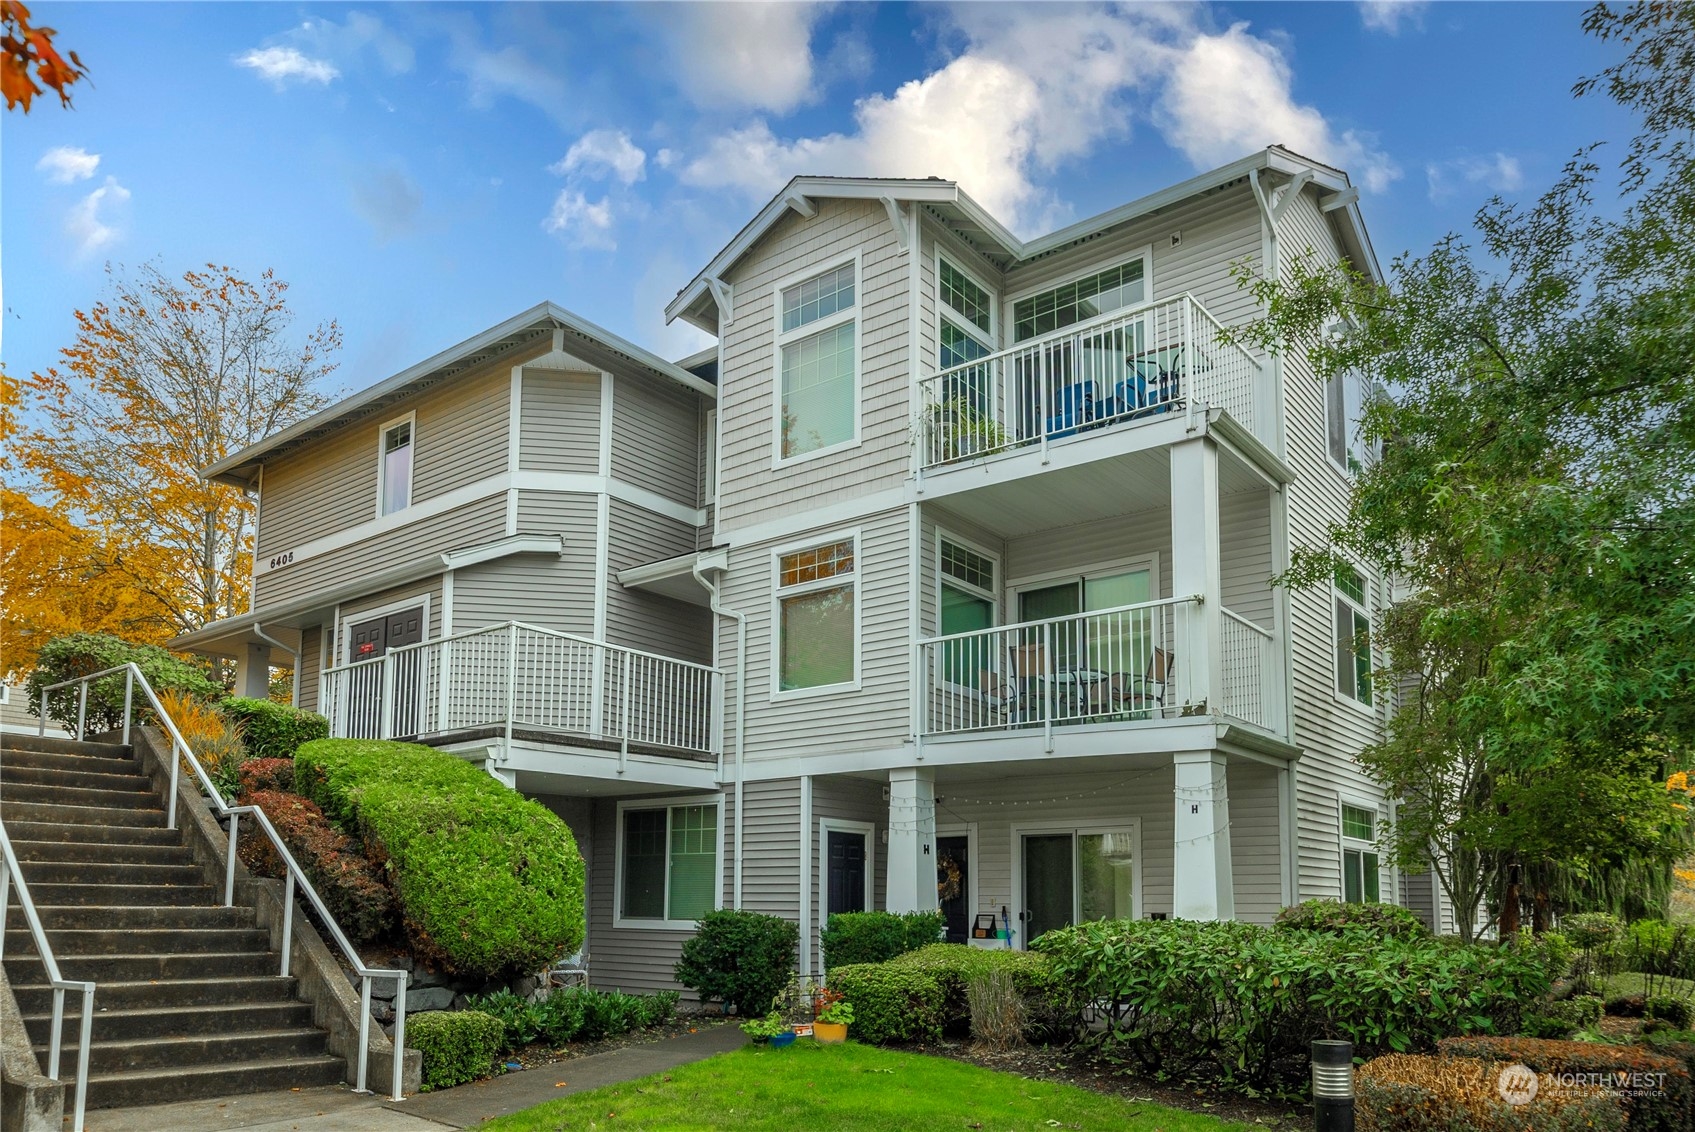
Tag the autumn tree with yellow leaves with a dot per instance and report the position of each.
(107, 525)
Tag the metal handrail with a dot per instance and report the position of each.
(992, 629)
(578, 638)
(296, 878)
(1248, 623)
(57, 981)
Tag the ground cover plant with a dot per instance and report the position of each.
(574, 1014)
(849, 1086)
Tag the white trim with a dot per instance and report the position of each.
(1386, 893)
(994, 594)
(777, 692)
(1145, 253)
(709, 457)
(831, 515)
(359, 617)
(1369, 710)
(663, 802)
(514, 419)
(585, 483)
(967, 830)
(989, 337)
(606, 417)
(410, 419)
(447, 600)
(428, 509)
(842, 825)
(258, 518)
(602, 539)
(1082, 826)
(781, 338)
(805, 876)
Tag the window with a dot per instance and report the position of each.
(394, 469)
(967, 604)
(966, 322)
(1110, 290)
(816, 623)
(1345, 398)
(1353, 636)
(1360, 870)
(668, 863)
(816, 347)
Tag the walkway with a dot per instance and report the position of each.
(338, 1109)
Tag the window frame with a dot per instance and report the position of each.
(1353, 447)
(1010, 301)
(411, 421)
(1346, 844)
(1082, 827)
(1363, 609)
(781, 339)
(821, 863)
(943, 580)
(945, 311)
(666, 803)
(778, 693)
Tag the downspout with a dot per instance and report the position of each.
(741, 713)
(259, 631)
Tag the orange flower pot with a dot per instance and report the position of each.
(829, 1033)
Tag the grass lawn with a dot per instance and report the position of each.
(824, 1088)
(1633, 982)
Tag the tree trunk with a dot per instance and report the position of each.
(1509, 921)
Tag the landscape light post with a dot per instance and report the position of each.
(1333, 1086)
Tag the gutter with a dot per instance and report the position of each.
(741, 705)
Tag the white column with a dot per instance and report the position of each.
(253, 672)
(1202, 887)
(912, 840)
(1195, 571)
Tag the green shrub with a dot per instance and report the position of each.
(876, 937)
(576, 1014)
(1665, 1008)
(272, 730)
(517, 1014)
(892, 1004)
(490, 883)
(1662, 952)
(254, 775)
(79, 654)
(1335, 917)
(457, 1045)
(956, 966)
(351, 886)
(1561, 1017)
(1663, 1106)
(1418, 1093)
(1595, 935)
(1240, 1003)
(743, 959)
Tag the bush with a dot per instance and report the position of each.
(744, 959)
(876, 937)
(892, 1004)
(214, 739)
(956, 966)
(997, 1010)
(1662, 952)
(272, 730)
(457, 1046)
(351, 886)
(255, 775)
(1335, 917)
(1663, 1106)
(519, 1017)
(574, 1014)
(489, 882)
(82, 653)
(1664, 1008)
(1240, 1003)
(1560, 1018)
(1416, 1093)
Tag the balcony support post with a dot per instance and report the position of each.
(912, 840)
(1203, 887)
(1196, 571)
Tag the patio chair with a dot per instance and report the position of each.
(1012, 690)
(1123, 692)
(1073, 410)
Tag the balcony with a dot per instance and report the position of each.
(1124, 665)
(537, 684)
(1112, 372)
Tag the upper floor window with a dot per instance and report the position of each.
(966, 320)
(1345, 398)
(1353, 635)
(394, 470)
(967, 604)
(1361, 878)
(668, 863)
(817, 360)
(1081, 299)
(817, 627)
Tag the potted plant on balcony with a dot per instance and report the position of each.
(959, 429)
(831, 1025)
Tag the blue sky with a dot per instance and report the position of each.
(420, 172)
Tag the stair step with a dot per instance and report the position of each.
(121, 1025)
(133, 968)
(124, 873)
(37, 998)
(11, 760)
(132, 941)
(96, 852)
(50, 744)
(54, 813)
(120, 894)
(13, 775)
(59, 794)
(150, 1086)
(69, 917)
(201, 1049)
(24, 829)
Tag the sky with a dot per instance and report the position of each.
(420, 172)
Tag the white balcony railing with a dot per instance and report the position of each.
(1251, 662)
(520, 676)
(1118, 368)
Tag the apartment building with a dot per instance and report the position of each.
(942, 580)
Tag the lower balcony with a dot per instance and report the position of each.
(516, 681)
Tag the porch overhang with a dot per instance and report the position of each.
(669, 577)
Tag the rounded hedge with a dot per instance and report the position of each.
(273, 731)
(490, 883)
(1336, 917)
(79, 654)
(457, 1046)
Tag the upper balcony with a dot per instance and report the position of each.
(1092, 380)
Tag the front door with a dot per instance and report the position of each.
(369, 640)
(953, 885)
(845, 861)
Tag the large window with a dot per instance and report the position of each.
(816, 624)
(818, 402)
(967, 604)
(1353, 635)
(1360, 865)
(1110, 290)
(1345, 398)
(966, 319)
(394, 468)
(668, 863)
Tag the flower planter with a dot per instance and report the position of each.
(786, 1038)
(829, 1033)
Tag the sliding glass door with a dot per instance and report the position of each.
(1077, 875)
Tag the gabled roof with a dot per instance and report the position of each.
(581, 338)
(947, 202)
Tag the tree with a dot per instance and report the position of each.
(164, 379)
(24, 47)
(1534, 491)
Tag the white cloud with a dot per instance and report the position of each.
(582, 222)
(603, 152)
(1497, 172)
(281, 64)
(744, 55)
(1389, 16)
(389, 202)
(90, 223)
(64, 164)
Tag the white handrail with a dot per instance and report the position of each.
(528, 628)
(1246, 622)
(993, 629)
(55, 979)
(296, 878)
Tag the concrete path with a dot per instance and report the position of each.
(338, 1109)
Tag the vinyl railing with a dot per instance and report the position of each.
(517, 675)
(295, 879)
(1250, 661)
(10, 873)
(1123, 366)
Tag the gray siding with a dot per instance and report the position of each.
(1244, 539)
(643, 620)
(559, 422)
(656, 438)
(550, 591)
(770, 847)
(311, 662)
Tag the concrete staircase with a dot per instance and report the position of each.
(189, 1002)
